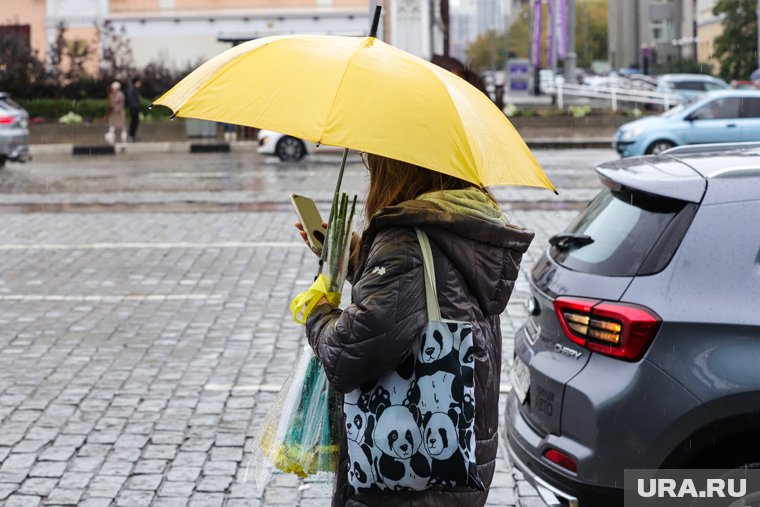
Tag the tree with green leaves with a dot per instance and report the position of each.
(736, 47)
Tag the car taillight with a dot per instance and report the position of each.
(619, 330)
(561, 459)
(7, 120)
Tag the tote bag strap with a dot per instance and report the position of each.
(431, 294)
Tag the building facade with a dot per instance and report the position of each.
(178, 32)
(645, 33)
(709, 26)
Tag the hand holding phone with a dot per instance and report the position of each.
(311, 221)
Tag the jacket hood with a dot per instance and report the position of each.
(487, 254)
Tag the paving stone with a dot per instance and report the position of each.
(215, 483)
(106, 486)
(6, 489)
(226, 454)
(167, 501)
(48, 469)
(28, 446)
(75, 480)
(22, 501)
(525, 489)
(16, 462)
(148, 482)
(220, 468)
(189, 459)
(37, 486)
(95, 502)
(57, 453)
(207, 500)
(150, 466)
(133, 498)
(176, 488)
(167, 437)
(179, 473)
(60, 496)
(85, 464)
(159, 451)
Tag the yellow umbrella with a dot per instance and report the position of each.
(363, 94)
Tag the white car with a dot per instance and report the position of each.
(287, 148)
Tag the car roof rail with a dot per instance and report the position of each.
(692, 149)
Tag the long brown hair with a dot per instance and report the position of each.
(392, 182)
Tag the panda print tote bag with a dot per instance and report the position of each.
(414, 428)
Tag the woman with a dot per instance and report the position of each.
(476, 255)
(117, 119)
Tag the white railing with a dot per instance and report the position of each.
(608, 94)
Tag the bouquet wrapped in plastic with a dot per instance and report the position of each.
(300, 433)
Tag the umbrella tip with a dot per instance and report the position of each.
(555, 192)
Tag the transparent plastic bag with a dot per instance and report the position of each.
(300, 433)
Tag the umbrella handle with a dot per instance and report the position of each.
(375, 21)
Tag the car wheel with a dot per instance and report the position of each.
(290, 149)
(658, 147)
(3, 158)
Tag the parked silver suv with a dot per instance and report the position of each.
(642, 348)
(14, 131)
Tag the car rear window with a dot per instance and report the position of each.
(631, 230)
(689, 85)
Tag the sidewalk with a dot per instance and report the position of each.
(251, 146)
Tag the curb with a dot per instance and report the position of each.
(251, 146)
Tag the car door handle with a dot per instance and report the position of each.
(731, 125)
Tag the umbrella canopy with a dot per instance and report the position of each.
(363, 94)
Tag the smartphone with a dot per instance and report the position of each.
(309, 216)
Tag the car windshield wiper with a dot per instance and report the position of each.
(565, 240)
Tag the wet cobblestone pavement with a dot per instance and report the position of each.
(140, 351)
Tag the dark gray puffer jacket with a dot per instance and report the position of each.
(476, 264)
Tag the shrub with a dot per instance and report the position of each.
(577, 111)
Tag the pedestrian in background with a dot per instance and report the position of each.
(133, 102)
(116, 116)
(476, 255)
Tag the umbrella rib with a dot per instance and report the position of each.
(438, 79)
(337, 88)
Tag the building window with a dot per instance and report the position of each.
(662, 30)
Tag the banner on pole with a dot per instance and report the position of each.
(552, 25)
(562, 31)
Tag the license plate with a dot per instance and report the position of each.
(520, 377)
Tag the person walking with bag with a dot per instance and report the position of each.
(116, 117)
(417, 353)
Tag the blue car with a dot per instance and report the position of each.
(726, 116)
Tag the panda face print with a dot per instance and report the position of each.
(396, 433)
(356, 423)
(441, 436)
(436, 343)
(466, 351)
(360, 473)
(437, 392)
(397, 388)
